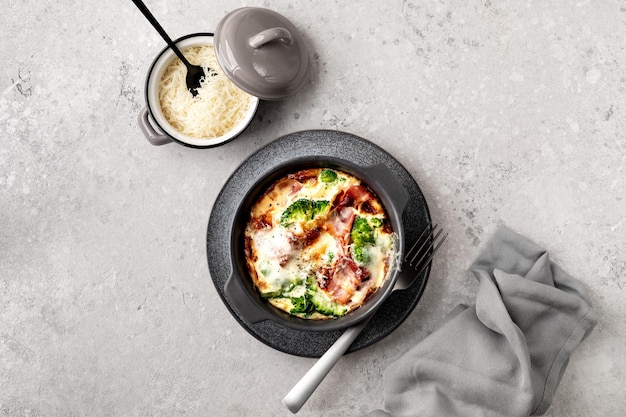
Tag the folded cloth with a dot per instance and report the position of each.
(504, 355)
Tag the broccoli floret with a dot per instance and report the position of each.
(362, 232)
(324, 305)
(361, 254)
(362, 236)
(283, 290)
(272, 294)
(328, 175)
(303, 210)
(376, 222)
(315, 300)
(302, 305)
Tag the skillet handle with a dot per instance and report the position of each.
(389, 184)
(239, 297)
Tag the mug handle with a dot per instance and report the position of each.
(148, 131)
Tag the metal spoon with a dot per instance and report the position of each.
(195, 73)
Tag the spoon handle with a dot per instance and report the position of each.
(300, 393)
(142, 7)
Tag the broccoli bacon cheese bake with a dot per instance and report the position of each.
(318, 243)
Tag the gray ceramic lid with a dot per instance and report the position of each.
(262, 52)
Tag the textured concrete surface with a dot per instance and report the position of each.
(504, 111)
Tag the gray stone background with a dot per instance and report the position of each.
(507, 112)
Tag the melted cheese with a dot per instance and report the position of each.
(300, 261)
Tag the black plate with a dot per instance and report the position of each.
(313, 142)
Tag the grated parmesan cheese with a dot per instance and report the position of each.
(219, 105)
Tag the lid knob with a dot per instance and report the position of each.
(269, 35)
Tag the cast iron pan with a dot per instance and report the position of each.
(265, 323)
(239, 289)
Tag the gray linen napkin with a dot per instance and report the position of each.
(503, 356)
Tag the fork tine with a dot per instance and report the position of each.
(420, 256)
(427, 229)
(429, 245)
(425, 241)
(422, 264)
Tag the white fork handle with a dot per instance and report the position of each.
(300, 393)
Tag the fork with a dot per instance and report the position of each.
(414, 263)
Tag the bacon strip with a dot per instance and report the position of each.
(342, 281)
(305, 175)
(287, 183)
(339, 224)
(345, 279)
(354, 196)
